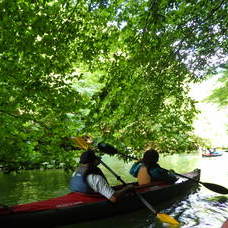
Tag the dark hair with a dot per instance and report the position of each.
(88, 157)
(150, 157)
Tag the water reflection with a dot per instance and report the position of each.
(29, 186)
(203, 209)
(197, 211)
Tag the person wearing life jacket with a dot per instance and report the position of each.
(88, 178)
(148, 170)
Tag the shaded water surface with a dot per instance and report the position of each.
(203, 209)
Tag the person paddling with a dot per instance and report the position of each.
(148, 170)
(88, 178)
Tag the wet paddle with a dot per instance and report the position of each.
(213, 187)
(161, 216)
(108, 149)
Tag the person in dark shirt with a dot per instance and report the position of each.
(148, 170)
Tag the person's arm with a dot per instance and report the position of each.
(120, 193)
(100, 185)
(143, 176)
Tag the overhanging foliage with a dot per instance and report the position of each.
(138, 55)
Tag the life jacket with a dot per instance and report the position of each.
(135, 169)
(78, 182)
(156, 172)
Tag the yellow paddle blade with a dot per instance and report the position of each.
(167, 219)
(81, 142)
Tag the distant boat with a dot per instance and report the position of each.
(212, 153)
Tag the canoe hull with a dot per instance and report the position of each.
(158, 196)
(211, 155)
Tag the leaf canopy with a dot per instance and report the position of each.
(116, 70)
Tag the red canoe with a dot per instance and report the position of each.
(77, 207)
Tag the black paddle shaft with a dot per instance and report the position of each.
(213, 187)
(117, 177)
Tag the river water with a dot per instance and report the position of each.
(202, 209)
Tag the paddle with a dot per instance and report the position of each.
(163, 217)
(213, 187)
(106, 148)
